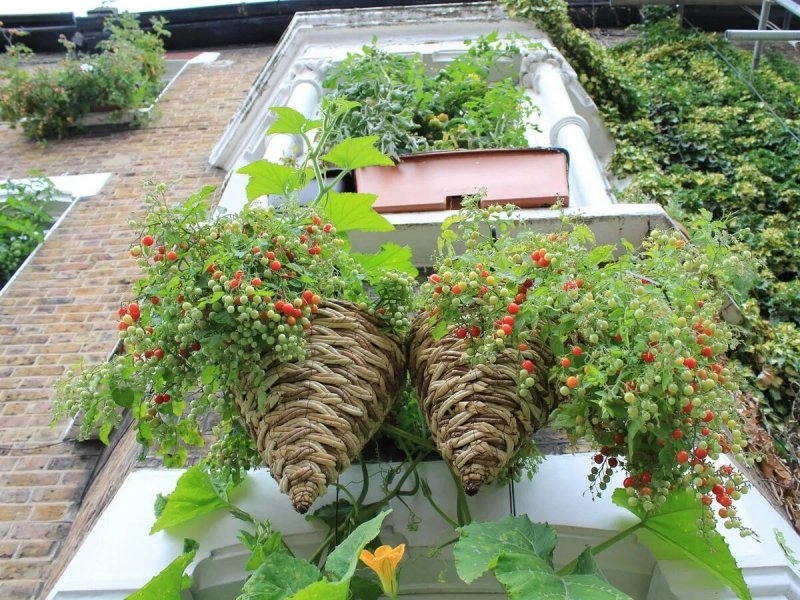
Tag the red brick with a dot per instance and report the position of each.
(9, 495)
(51, 512)
(8, 549)
(36, 549)
(59, 493)
(29, 530)
(19, 590)
(14, 512)
(29, 463)
(22, 569)
(31, 478)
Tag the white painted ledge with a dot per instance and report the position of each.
(118, 556)
(609, 222)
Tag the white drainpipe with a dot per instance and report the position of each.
(303, 94)
(543, 73)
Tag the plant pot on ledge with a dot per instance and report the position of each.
(526, 177)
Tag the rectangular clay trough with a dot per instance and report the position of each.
(527, 177)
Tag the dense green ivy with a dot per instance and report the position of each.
(601, 76)
(706, 140)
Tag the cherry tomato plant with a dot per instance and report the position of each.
(638, 343)
(218, 295)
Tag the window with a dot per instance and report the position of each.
(69, 189)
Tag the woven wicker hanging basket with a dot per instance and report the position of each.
(475, 413)
(321, 411)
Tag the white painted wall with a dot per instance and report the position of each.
(119, 556)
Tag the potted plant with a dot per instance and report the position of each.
(632, 347)
(264, 318)
(457, 129)
(125, 76)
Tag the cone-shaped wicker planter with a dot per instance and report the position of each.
(475, 413)
(322, 410)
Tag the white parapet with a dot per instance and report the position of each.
(119, 556)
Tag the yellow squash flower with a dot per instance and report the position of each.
(384, 563)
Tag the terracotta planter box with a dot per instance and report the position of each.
(527, 177)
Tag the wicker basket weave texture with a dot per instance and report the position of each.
(321, 411)
(474, 412)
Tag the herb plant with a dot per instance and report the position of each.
(518, 551)
(473, 102)
(637, 341)
(720, 142)
(217, 296)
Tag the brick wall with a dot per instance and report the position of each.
(60, 308)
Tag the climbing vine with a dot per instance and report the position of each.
(600, 75)
(718, 142)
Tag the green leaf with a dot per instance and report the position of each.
(174, 458)
(260, 552)
(209, 373)
(159, 505)
(323, 590)
(586, 565)
(330, 513)
(122, 396)
(439, 331)
(190, 433)
(291, 121)
(601, 254)
(350, 211)
(194, 495)
(527, 573)
(269, 178)
(343, 105)
(144, 432)
(279, 577)
(363, 588)
(341, 563)
(590, 587)
(674, 526)
(628, 246)
(104, 432)
(527, 576)
(634, 426)
(787, 550)
(167, 585)
(357, 152)
(391, 257)
(480, 544)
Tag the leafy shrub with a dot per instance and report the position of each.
(124, 75)
(473, 102)
(600, 75)
(23, 219)
(782, 299)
